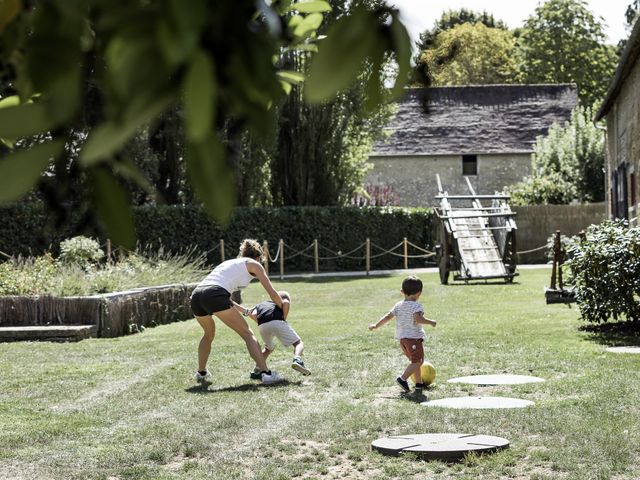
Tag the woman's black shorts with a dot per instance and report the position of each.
(209, 300)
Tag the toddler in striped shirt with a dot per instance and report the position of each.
(410, 317)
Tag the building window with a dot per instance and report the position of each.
(469, 165)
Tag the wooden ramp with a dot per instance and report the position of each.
(479, 253)
(476, 241)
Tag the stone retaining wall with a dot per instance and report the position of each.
(113, 314)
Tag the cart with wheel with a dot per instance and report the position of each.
(476, 242)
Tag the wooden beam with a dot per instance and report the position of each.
(479, 215)
(467, 197)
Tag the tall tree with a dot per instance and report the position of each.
(426, 57)
(470, 54)
(562, 42)
(322, 150)
(567, 165)
(451, 18)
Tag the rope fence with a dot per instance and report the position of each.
(312, 252)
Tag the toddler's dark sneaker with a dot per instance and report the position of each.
(420, 386)
(255, 374)
(403, 384)
(298, 364)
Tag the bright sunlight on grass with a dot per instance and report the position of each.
(126, 408)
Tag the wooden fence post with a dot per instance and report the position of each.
(108, 250)
(281, 248)
(406, 252)
(265, 261)
(221, 250)
(315, 253)
(556, 257)
(368, 255)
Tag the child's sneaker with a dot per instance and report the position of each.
(204, 379)
(420, 386)
(255, 374)
(404, 384)
(298, 365)
(270, 377)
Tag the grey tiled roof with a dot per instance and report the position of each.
(475, 119)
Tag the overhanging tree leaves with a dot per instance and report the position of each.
(158, 53)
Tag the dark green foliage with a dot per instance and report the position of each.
(606, 272)
(336, 229)
(451, 18)
(179, 228)
(24, 230)
(563, 42)
(567, 165)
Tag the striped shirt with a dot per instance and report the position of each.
(406, 326)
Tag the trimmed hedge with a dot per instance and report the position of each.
(178, 228)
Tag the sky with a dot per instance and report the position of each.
(420, 15)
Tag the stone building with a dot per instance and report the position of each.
(486, 132)
(621, 108)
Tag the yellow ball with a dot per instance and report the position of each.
(428, 373)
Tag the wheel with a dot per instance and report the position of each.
(443, 261)
(443, 266)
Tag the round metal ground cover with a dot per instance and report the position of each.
(624, 349)
(478, 402)
(496, 379)
(439, 446)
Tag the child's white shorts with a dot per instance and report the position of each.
(278, 329)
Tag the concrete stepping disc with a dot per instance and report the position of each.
(624, 349)
(478, 402)
(439, 446)
(496, 379)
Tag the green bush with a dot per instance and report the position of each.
(337, 229)
(82, 251)
(605, 267)
(567, 164)
(178, 229)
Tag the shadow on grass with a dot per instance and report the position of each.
(616, 334)
(415, 396)
(246, 387)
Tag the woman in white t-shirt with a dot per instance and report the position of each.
(212, 296)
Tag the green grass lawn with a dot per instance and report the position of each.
(126, 408)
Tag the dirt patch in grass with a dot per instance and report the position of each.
(330, 465)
